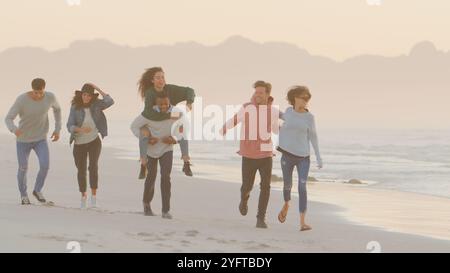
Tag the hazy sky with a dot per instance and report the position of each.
(333, 28)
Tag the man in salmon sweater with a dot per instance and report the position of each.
(259, 119)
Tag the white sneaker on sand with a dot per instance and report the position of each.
(25, 200)
(83, 204)
(93, 202)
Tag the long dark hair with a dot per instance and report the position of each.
(77, 101)
(146, 80)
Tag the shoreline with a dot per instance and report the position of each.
(124, 154)
(364, 214)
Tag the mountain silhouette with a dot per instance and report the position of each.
(365, 91)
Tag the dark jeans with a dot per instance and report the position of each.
(165, 162)
(249, 169)
(81, 153)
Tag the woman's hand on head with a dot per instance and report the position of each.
(98, 89)
(94, 86)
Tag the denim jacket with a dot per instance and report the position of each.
(76, 117)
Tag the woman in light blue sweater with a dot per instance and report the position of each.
(296, 134)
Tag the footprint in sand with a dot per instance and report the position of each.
(130, 212)
(221, 241)
(185, 242)
(163, 245)
(156, 239)
(144, 234)
(149, 237)
(102, 211)
(54, 238)
(192, 233)
(257, 246)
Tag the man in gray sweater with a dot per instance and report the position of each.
(32, 108)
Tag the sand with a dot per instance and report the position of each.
(344, 218)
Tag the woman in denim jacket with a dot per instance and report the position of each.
(86, 122)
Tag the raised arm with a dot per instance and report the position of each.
(234, 121)
(180, 93)
(106, 101)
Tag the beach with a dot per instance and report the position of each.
(345, 218)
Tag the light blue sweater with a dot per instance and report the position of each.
(297, 132)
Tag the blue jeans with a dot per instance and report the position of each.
(143, 146)
(288, 162)
(23, 154)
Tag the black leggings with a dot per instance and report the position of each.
(81, 153)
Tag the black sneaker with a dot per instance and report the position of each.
(260, 223)
(167, 215)
(243, 207)
(142, 172)
(187, 169)
(148, 210)
(26, 200)
(39, 196)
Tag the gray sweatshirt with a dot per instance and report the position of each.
(297, 132)
(160, 129)
(33, 117)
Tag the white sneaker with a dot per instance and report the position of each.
(83, 203)
(25, 200)
(93, 202)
